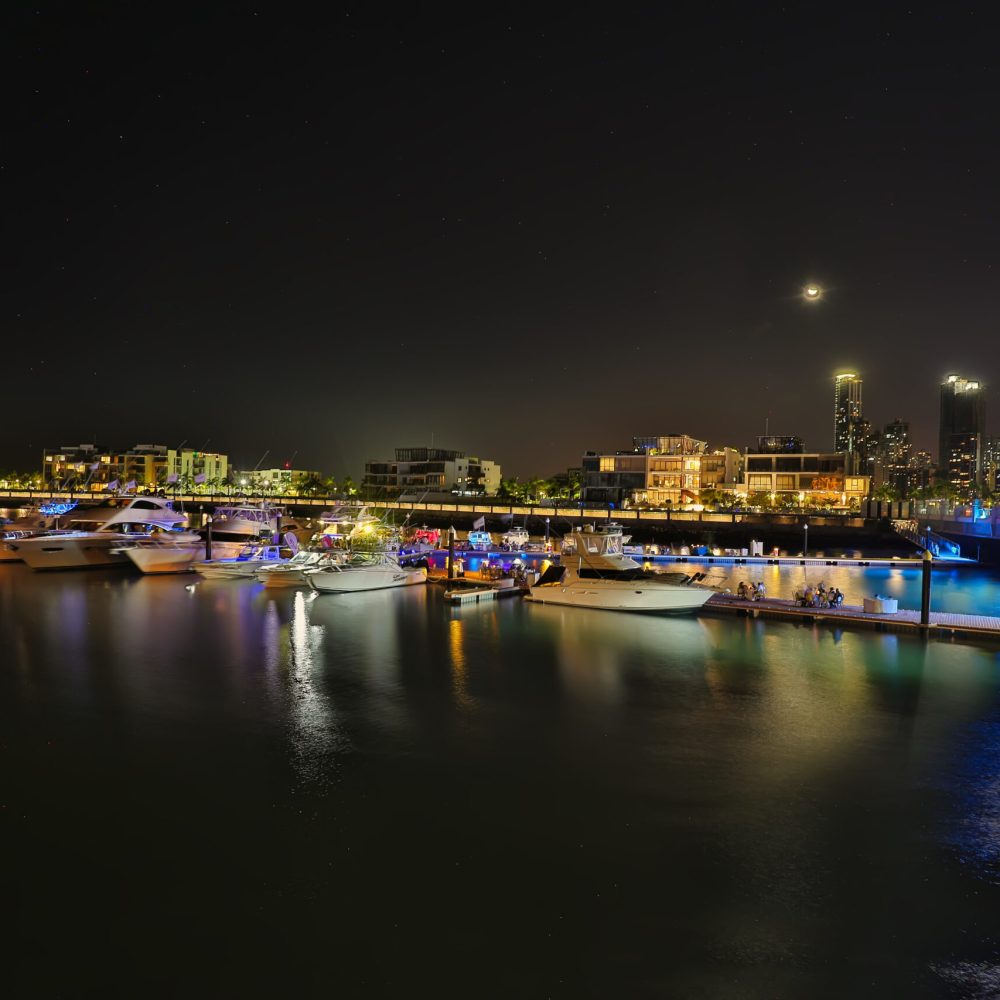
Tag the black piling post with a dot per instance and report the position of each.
(451, 553)
(208, 537)
(925, 591)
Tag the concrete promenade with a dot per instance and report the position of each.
(942, 625)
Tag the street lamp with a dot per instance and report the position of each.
(812, 293)
(805, 540)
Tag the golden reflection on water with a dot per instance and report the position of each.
(459, 668)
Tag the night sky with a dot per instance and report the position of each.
(523, 234)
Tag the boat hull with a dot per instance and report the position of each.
(68, 552)
(358, 579)
(601, 595)
(177, 558)
(246, 570)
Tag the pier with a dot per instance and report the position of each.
(941, 625)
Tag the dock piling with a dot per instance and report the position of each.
(925, 589)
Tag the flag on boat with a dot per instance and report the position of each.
(113, 485)
(95, 466)
(479, 524)
(200, 478)
(130, 485)
(172, 478)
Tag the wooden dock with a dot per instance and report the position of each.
(942, 624)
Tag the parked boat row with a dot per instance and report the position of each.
(596, 572)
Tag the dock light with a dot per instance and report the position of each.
(812, 293)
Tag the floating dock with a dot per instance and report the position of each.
(942, 624)
(731, 560)
(471, 595)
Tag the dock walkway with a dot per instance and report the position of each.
(941, 623)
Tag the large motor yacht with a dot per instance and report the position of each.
(96, 536)
(597, 574)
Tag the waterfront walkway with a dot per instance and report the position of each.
(941, 623)
(897, 562)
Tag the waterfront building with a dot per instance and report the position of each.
(668, 470)
(806, 476)
(148, 466)
(283, 480)
(962, 432)
(193, 467)
(991, 465)
(849, 427)
(416, 470)
(73, 465)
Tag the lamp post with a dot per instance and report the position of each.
(546, 534)
(805, 540)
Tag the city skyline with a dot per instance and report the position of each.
(509, 460)
(500, 223)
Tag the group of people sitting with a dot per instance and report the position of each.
(819, 597)
(751, 591)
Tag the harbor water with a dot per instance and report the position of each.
(211, 790)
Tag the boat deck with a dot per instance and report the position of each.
(941, 623)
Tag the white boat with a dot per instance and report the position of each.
(561, 585)
(34, 522)
(243, 566)
(603, 551)
(516, 538)
(242, 523)
(377, 573)
(480, 540)
(170, 553)
(606, 579)
(295, 572)
(97, 536)
(344, 524)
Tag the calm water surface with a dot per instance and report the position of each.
(211, 790)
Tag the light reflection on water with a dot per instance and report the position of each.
(632, 804)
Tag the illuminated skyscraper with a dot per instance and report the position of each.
(962, 439)
(848, 430)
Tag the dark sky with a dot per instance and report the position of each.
(523, 234)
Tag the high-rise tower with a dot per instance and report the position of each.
(962, 434)
(848, 432)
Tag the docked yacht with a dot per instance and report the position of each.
(246, 522)
(175, 552)
(243, 566)
(480, 540)
(606, 579)
(375, 573)
(561, 585)
(516, 538)
(96, 536)
(343, 524)
(296, 571)
(33, 522)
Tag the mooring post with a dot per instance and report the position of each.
(451, 553)
(925, 590)
(208, 537)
